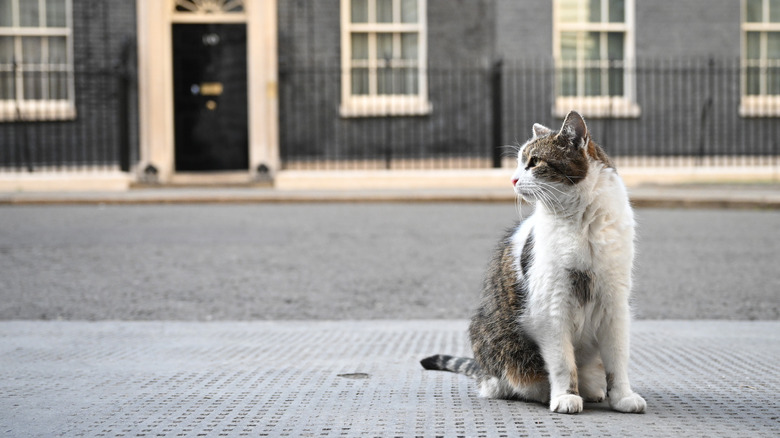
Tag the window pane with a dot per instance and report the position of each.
(752, 81)
(7, 90)
(359, 46)
(616, 81)
(773, 58)
(359, 11)
(617, 11)
(5, 13)
(409, 11)
(408, 80)
(753, 42)
(6, 50)
(359, 81)
(773, 80)
(28, 13)
(397, 81)
(774, 11)
(409, 46)
(568, 82)
(33, 85)
(58, 85)
(568, 11)
(384, 11)
(615, 46)
(593, 45)
(594, 11)
(32, 52)
(569, 46)
(32, 58)
(55, 13)
(773, 45)
(593, 82)
(384, 46)
(6, 74)
(57, 51)
(755, 9)
(384, 81)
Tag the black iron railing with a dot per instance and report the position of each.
(670, 111)
(89, 130)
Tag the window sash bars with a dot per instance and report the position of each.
(32, 108)
(763, 63)
(373, 62)
(604, 64)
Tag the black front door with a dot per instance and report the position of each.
(210, 97)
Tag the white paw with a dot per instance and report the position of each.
(566, 404)
(632, 403)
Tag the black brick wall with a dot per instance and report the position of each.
(687, 86)
(104, 47)
(461, 34)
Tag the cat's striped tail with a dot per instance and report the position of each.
(460, 365)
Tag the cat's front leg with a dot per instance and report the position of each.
(558, 354)
(614, 346)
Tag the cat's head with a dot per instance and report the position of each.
(552, 164)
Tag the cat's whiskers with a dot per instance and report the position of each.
(544, 198)
(519, 206)
(510, 150)
(550, 186)
(550, 201)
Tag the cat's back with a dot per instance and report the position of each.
(503, 284)
(496, 335)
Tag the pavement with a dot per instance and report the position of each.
(696, 195)
(358, 378)
(362, 378)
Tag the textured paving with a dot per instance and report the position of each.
(337, 379)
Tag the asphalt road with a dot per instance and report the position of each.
(346, 261)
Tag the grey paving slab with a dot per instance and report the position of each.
(347, 261)
(346, 378)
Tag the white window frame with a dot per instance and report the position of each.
(19, 108)
(374, 104)
(624, 106)
(762, 104)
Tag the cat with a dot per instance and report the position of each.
(553, 322)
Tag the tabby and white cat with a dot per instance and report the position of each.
(553, 322)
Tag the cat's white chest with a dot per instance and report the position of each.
(597, 244)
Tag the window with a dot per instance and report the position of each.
(593, 49)
(760, 58)
(383, 45)
(213, 7)
(36, 67)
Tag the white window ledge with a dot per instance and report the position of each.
(760, 106)
(392, 106)
(36, 111)
(597, 107)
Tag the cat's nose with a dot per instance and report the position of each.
(514, 182)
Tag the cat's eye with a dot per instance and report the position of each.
(532, 162)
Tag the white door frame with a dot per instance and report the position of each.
(155, 84)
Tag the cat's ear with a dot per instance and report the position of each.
(574, 129)
(540, 130)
